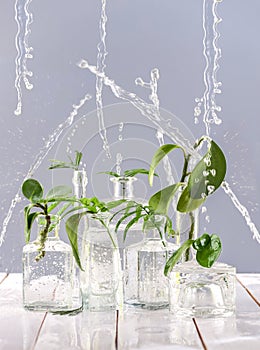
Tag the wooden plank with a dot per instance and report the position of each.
(240, 331)
(18, 327)
(251, 282)
(158, 329)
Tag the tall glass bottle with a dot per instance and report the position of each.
(102, 273)
(48, 281)
(80, 181)
(145, 284)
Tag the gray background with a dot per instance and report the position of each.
(141, 35)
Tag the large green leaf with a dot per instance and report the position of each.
(176, 256)
(158, 156)
(58, 192)
(72, 225)
(161, 200)
(208, 174)
(186, 203)
(209, 250)
(205, 179)
(32, 190)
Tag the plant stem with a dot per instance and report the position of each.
(191, 234)
(43, 236)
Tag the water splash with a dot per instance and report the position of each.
(101, 56)
(24, 19)
(119, 160)
(146, 109)
(153, 86)
(212, 54)
(152, 114)
(242, 209)
(52, 139)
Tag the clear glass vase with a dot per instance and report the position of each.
(48, 271)
(144, 282)
(101, 279)
(197, 291)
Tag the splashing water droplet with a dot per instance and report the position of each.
(213, 172)
(119, 160)
(203, 209)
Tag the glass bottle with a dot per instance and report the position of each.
(124, 189)
(48, 281)
(145, 284)
(103, 272)
(80, 181)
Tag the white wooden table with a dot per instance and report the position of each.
(20, 329)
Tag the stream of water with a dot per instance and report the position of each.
(24, 19)
(101, 56)
(212, 54)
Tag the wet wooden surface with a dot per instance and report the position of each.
(20, 329)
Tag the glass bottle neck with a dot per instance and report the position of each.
(123, 187)
(80, 181)
(154, 228)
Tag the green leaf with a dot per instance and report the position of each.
(72, 225)
(208, 174)
(123, 217)
(78, 159)
(208, 253)
(114, 204)
(133, 172)
(158, 156)
(186, 203)
(112, 173)
(29, 219)
(205, 179)
(161, 200)
(60, 165)
(200, 243)
(176, 256)
(131, 223)
(58, 192)
(32, 190)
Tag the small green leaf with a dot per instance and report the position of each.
(72, 225)
(158, 156)
(200, 243)
(32, 190)
(186, 203)
(123, 217)
(176, 256)
(208, 254)
(58, 192)
(161, 200)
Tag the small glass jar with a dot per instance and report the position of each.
(48, 270)
(196, 291)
